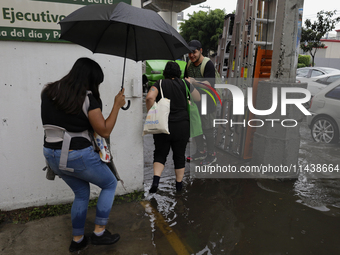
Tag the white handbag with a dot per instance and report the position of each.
(156, 121)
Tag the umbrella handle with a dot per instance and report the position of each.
(127, 107)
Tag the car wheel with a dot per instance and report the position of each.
(325, 130)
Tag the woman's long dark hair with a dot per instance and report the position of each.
(69, 93)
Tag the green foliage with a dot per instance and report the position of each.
(305, 60)
(313, 32)
(49, 211)
(128, 198)
(34, 213)
(2, 217)
(205, 27)
(299, 65)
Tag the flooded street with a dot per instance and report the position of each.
(247, 216)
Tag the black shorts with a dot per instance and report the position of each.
(177, 141)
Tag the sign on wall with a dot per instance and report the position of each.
(37, 20)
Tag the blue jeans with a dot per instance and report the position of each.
(88, 168)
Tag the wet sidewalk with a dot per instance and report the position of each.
(52, 235)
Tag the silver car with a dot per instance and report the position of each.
(317, 84)
(309, 72)
(325, 119)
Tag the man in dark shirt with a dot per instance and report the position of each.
(200, 79)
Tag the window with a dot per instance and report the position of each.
(227, 50)
(323, 81)
(332, 78)
(328, 80)
(302, 72)
(316, 73)
(334, 93)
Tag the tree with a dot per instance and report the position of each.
(313, 32)
(205, 27)
(303, 60)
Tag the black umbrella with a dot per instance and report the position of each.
(123, 30)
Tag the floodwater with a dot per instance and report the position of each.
(248, 216)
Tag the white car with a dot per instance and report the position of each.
(325, 119)
(310, 72)
(315, 85)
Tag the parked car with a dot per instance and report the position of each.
(315, 85)
(154, 71)
(310, 75)
(325, 119)
(310, 72)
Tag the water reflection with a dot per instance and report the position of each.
(319, 194)
(320, 191)
(248, 216)
(201, 215)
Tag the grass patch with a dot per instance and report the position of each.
(34, 213)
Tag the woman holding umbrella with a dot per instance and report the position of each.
(179, 124)
(61, 106)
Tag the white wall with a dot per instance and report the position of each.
(24, 68)
(327, 62)
(330, 56)
(333, 50)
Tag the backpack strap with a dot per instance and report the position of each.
(160, 86)
(188, 64)
(55, 134)
(203, 64)
(86, 103)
